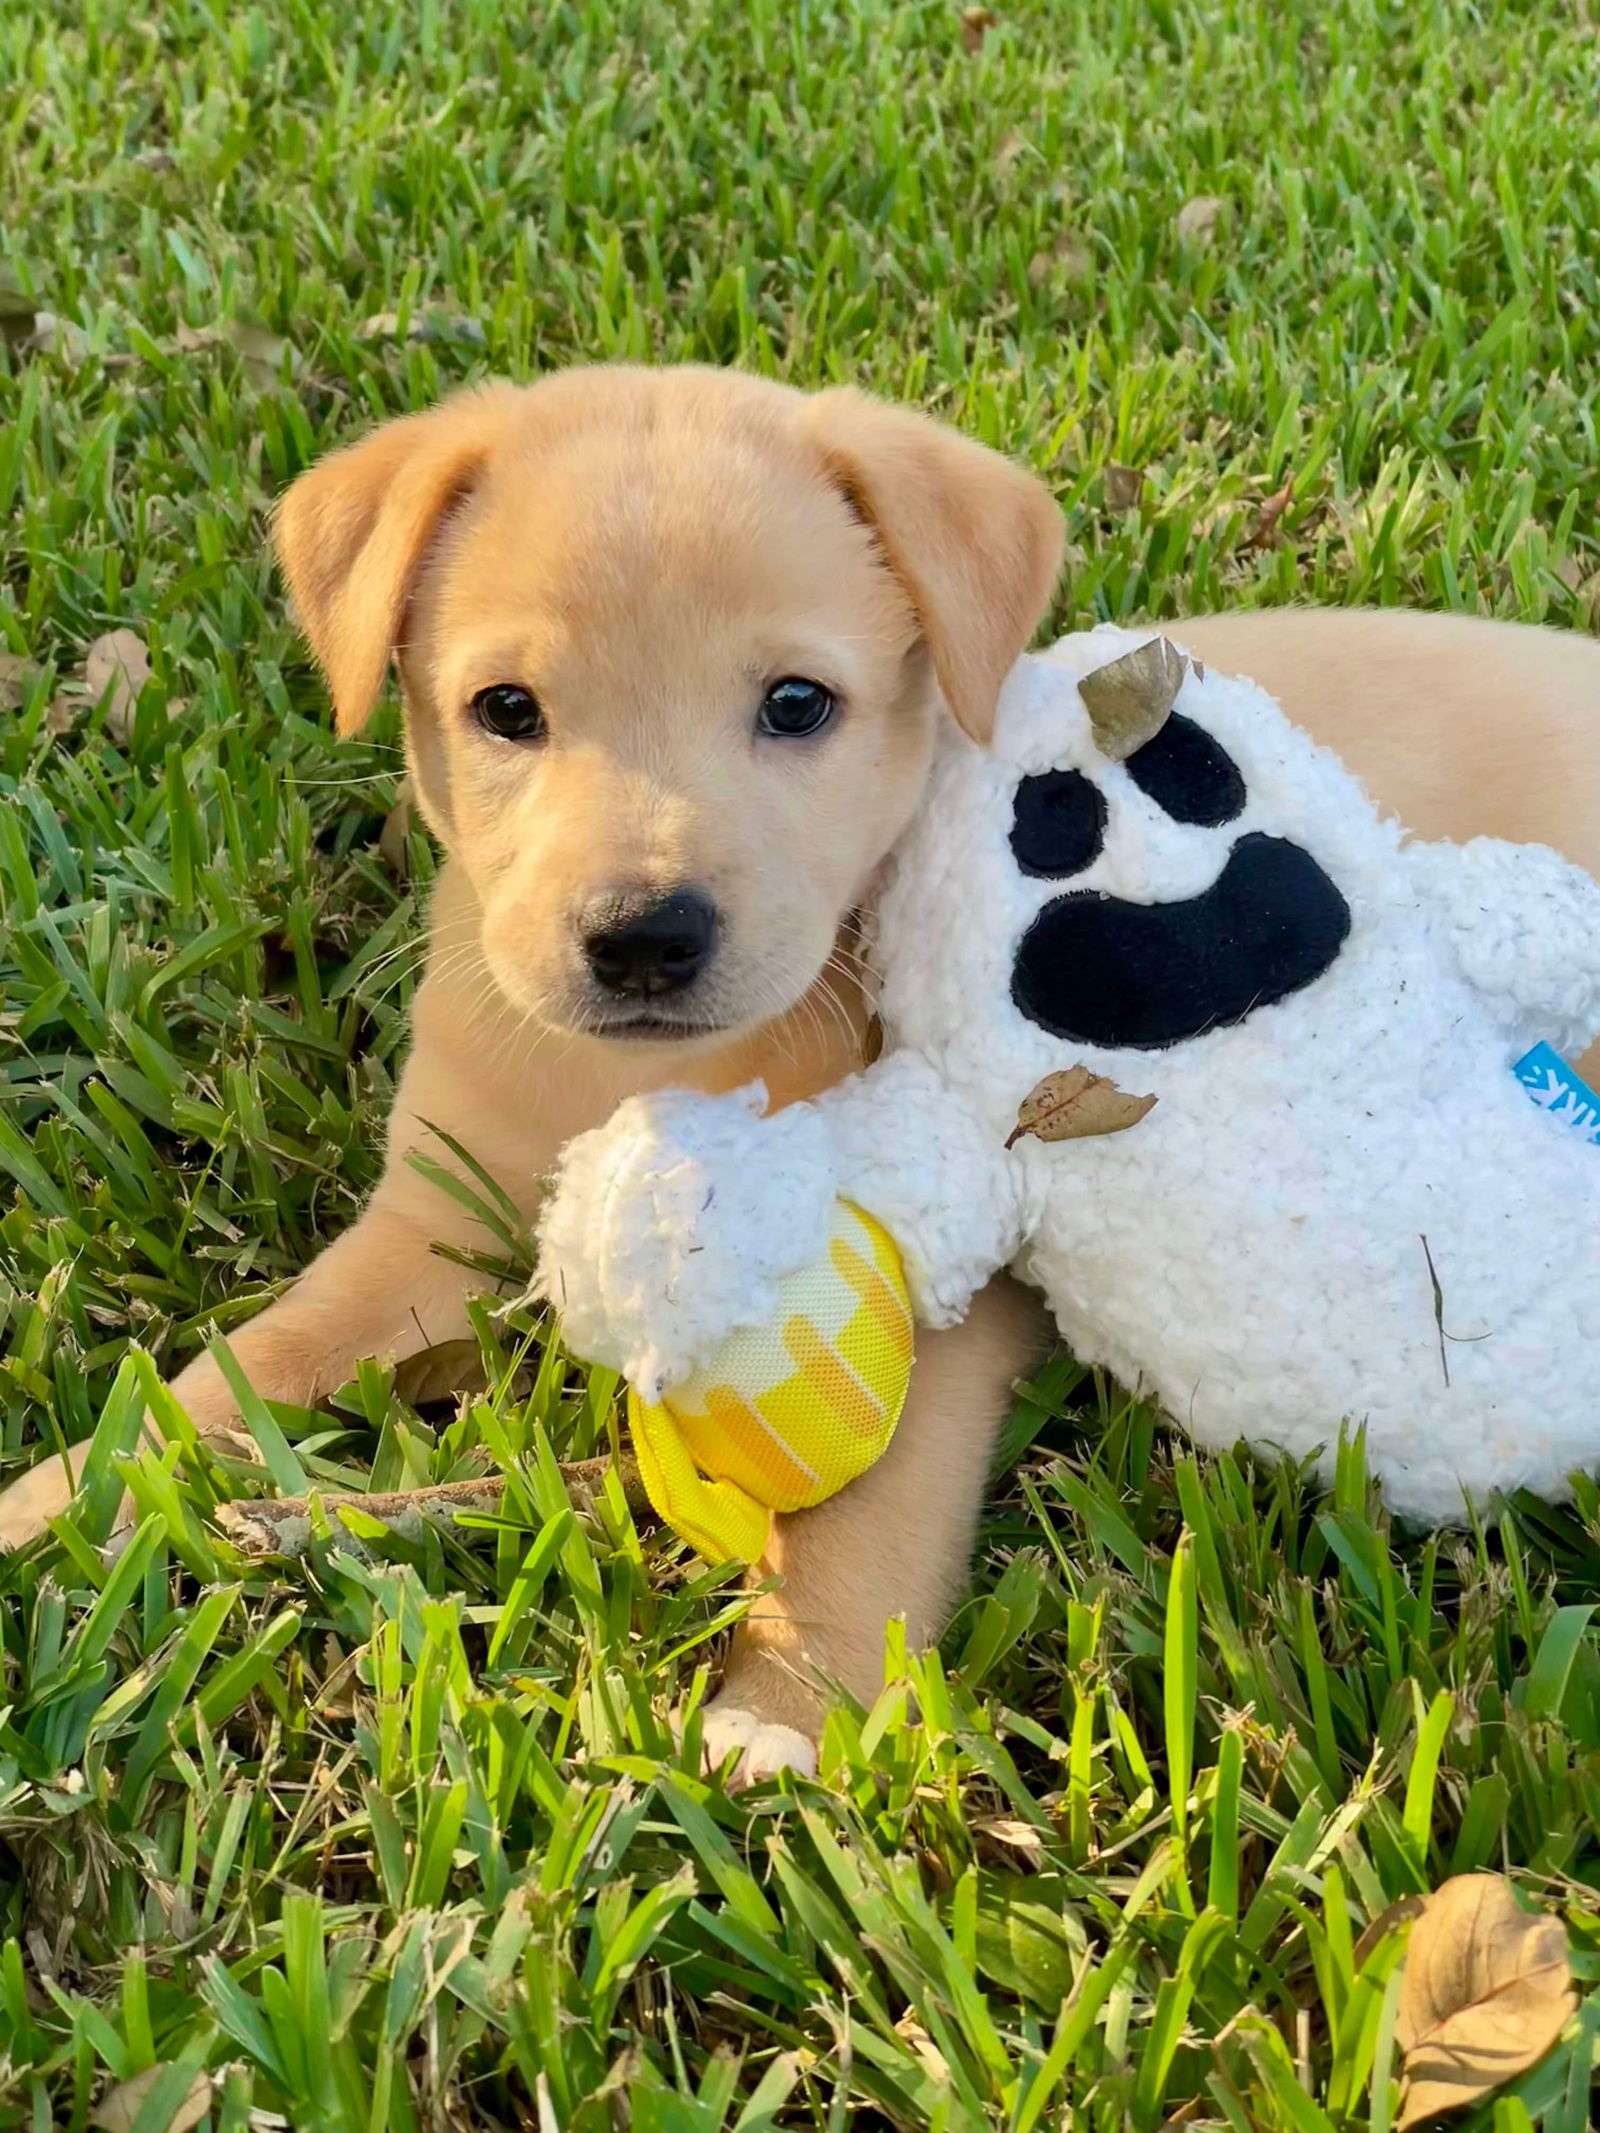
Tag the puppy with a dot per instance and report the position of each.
(672, 646)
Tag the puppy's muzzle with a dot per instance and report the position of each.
(641, 945)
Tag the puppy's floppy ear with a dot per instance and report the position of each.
(974, 540)
(351, 534)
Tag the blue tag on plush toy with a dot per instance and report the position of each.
(1555, 1088)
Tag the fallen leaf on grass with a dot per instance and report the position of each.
(934, 2063)
(261, 351)
(1077, 1105)
(439, 1373)
(17, 675)
(1485, 1993)
(1071, 258)
(118, 2109)
(24, 327)
(976, 23)
(447, 1370)
(1129, 699)
(56, 336)
(1124, 486)
(1018, 1836)
(116, 668)
(1197, 219)
(1268, 512)
(424, 326)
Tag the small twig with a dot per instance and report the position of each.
(1438, 1310)
(1461, 1340)
(282, 1525)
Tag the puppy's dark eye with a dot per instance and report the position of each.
(793, 707)
(509, 712)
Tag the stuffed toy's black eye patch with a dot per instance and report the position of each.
(1097, 970)
(1190, 776)
(1059, 825)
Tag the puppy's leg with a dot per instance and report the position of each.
(896, 1542)
(380, 1289)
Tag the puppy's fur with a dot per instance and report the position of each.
(646, 552)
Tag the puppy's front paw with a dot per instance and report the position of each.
(763, 1748)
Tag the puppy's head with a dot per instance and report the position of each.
(672, 643)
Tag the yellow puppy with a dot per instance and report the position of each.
(672, 645)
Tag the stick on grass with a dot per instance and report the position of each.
(282, 1525)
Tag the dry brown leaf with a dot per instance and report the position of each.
(440, 1372)
(1197, 219)
(118, 2109)
(61, 715)
(1016, 1835)
(1077, 1105)
(934, 2062)
(446, 1370)
(976, 23)
(261, 350)
(57, 336)
(1070, 258)
(17, 676)
(394, 837)
(424, 326)
(1124, 487)
(1268, 512)
(1130, 700)
(1074, 257)
(116, 668)
(1485, 1993)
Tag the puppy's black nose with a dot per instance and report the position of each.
(640, 944)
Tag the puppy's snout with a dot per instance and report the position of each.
(642, 945)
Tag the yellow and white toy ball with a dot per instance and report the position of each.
(789, 1411)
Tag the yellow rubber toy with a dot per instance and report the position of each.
(790, 1411)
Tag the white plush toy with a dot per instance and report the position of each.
(1342, 1206)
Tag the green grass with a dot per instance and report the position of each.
(405, 1840)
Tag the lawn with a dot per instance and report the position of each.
(402, 1838)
